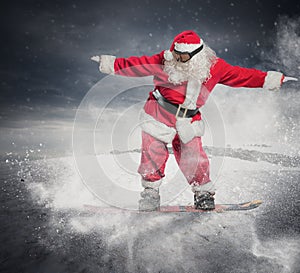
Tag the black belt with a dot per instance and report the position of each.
(173, 108)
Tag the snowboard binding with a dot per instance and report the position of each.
(204, 200)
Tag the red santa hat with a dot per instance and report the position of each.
(186, 41)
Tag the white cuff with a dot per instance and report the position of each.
(107, 64)
(273, 80)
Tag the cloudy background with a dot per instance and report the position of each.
(46, 45)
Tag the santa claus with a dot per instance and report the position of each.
(183, 78)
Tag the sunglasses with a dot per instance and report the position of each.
(186, 56)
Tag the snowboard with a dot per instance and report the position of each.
(189, 209)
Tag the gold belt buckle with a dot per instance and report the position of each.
(178, 111)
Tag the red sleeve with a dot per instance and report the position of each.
(236, 76)
(138, 66)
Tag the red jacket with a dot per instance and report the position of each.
(221, 72)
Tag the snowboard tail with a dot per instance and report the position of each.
(189, 209)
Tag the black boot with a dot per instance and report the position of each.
(204, 200)
(150, 200)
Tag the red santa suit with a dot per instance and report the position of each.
(161, 127)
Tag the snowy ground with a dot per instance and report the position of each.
(49, 231)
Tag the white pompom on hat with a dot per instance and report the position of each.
(168, 55)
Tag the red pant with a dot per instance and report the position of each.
(190, 157)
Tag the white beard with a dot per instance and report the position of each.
(197, 68)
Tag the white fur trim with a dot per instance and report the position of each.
(168, 55)
(107, 64)
(273, 80)
(192, 92)
(152, 185)
(187, 130)
(183, 47)
(208, 187)
(156, 129)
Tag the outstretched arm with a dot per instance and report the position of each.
(236, 76)
(131, 67)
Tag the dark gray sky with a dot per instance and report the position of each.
(45, 68)
(46, 44)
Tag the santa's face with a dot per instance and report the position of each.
(181, 57)
(183, 67)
